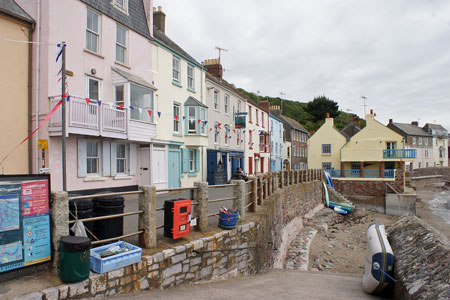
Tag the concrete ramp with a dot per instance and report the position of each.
(274, 284)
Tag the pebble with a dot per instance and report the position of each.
(298, 252)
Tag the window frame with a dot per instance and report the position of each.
(176, 69)
(123, 7)
(141, 110)
(324, 148)
(194, 120)
(176, 121)
(91, 31)
(124, 46)
(227, 135)
(123, 159)
(122, 102)
(226, 104)
(96, 158)
(257, 117)
(203, 115)
(216, 100)
(192, 161)
(88, 87)
(326, 163)
(250, 114)
(191, 79)
(216, 133)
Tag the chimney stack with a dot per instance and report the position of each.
(214, 67)
(390, 121)
(328, 115)
(265, 105)
(159, 19)
(415, 123)
(371, 111)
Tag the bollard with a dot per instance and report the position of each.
(60, 224)
(239, 194)
(147, 220)
(201, 210)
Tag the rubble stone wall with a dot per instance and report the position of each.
(444, 171)
(422, 260)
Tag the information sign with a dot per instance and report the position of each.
(24, 221)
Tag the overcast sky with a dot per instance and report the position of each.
(395, 53)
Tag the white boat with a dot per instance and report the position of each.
(378, 272)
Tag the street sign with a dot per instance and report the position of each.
(43, 144)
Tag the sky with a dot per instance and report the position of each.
(394, 53)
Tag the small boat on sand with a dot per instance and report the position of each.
(378, 271)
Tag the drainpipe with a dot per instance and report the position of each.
(38, 39)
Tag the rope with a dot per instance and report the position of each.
(377, 268)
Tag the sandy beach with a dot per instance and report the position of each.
(341, 247)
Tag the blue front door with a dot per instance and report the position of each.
(174, 168)
(234, 165)
(211, 165)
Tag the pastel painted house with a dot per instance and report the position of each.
(227, 142)
(276, 144)
(181, 113)
(15, 88)
(109, 117)
(325, 147)
(257, 155)
(440, 143)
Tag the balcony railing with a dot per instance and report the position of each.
(106, 119)
(399, 153)
(372, 173)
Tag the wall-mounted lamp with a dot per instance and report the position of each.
(93, 71)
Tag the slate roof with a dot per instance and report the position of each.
(10, 7)
(136, 19)
(293, 123)
(350, 130)
(165, 40)
(436, 126)
(134, 78)
(191, 101)
(410, 129)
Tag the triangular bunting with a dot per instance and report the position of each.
(149, 112)
(159, 114)
(87, 100)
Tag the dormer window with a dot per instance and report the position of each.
(121, 4)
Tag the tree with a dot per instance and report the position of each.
(320, 106)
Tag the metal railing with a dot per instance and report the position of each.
(399, 153)
(367, 173)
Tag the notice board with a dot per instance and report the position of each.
(25, 237)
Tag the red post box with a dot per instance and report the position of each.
(177, 218)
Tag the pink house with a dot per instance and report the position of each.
(109, 118)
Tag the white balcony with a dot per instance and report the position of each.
(106, 120)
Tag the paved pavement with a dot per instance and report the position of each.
(275, 284)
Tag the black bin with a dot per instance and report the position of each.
(85, 209)
(106, 206)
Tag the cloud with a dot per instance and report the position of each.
(396, 53)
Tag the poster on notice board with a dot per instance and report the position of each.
(25, 237)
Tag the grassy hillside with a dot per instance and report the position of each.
(297, 111)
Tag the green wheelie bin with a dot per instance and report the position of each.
(75, 258)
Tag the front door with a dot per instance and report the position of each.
(211, 165)
(159, 170)
(250, 165)
(144, 165)
(174, 168)
(262, 164)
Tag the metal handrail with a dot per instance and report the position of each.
(177, 189)
(117, 237)
(109, 216)
(221, 199)
(388, 185)
(105, 195)
(221, 185)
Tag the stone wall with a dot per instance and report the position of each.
(424, 182)
(444, 171)
(422, 260)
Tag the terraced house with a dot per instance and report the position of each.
(440, 143)
(109, 86)
(227, 109)
(181, 113)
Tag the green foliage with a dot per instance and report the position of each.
(310, 115)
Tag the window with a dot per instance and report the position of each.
(121, 159)
(203, 119)
(92, 157)
(257, 117)
(176, 118)
(271, 126)
(238, 138)
(261, 143)
(250, 114)
(192, 128)
(216, 133)
(121, 44)
(191, 160)
(413, 140)
(427, 164)
(420, 141)
(93, 88)
(119, 94)
(93, 31)
(239, 106)
(226, 103)
(141, 99)
(262, 119)
(190, 77)
(227, 134)
(355, 166)
(441, 152)
(326, 165)
(216, 100)
(426, 141)
(250, 138)
(326, 148)
(176, 69)
(426, 153)
(122, 4)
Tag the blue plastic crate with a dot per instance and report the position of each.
(114, 262)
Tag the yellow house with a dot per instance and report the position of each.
(374, 152)
(15, 25)
(324, 147)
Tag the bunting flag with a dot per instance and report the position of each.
(206, 122)
(249, 143)
(149, 113)
(140, 110)
(99, 102)
(234, 130)
(68, 98)
(230, 137)
(249, 131)
(219, 124)
(184, 117)
(159, 114)
(87, 100)
(59, 79)
(176, 117)
(210, 129)
(199, 121)
(131, 107)
(226, 135)
(121, 106)
(243, 131)
(31, 134)
(242, 141)
(60, 53)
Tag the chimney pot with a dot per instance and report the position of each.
(371, 111)
(159, 8)
(328, 115)
(415, 123)
(159, 19)
(390, 121)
